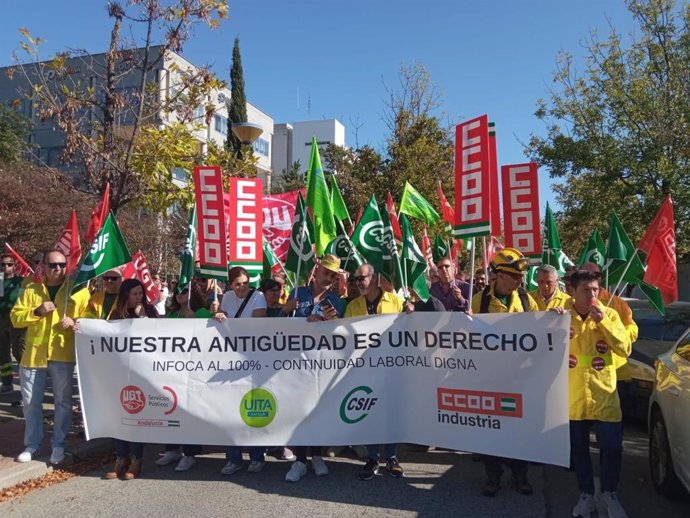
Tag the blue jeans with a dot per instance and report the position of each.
(125, 449)
(33, 386)
(389, 450)
(234, 454)
(610, 438)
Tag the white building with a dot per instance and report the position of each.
(292, 142)
(50, 142)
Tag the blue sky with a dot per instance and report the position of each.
(487, 57)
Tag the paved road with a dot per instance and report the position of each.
(438, 483)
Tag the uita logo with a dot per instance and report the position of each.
(132, 399)
(258, 408)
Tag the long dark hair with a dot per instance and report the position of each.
(197, 299)
(120, 306)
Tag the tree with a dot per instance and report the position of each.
(237, 108)
(617, 134)
(15, 129)
(109, 106)
(290, 180)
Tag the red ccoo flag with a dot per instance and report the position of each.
(69, 243)
(22, 268)
(426, 248)
(446, 210)
(393, 216)
(100, 212)
(659, 242)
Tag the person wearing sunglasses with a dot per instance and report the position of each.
(101, 303)
(48, 312)
(11, 338)
(504, 294)
(452, 292)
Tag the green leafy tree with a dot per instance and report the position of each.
(289, 180)
(617, 134)
(237, 108)
(15, 129)
(109, 107)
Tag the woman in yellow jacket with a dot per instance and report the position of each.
(597, 338)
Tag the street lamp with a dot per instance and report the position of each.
(247, 133)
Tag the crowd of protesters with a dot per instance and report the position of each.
(38, 321)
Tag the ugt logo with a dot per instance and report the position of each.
(132, 399)
(357, 404)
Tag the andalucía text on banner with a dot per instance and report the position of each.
(108, 250)
(495, 384)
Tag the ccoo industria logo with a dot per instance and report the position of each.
(478, 402)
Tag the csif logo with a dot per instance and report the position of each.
(357, 404)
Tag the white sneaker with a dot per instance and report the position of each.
(610, 501)
(231, 468)
(320, 468)
(585, 506)
(57, 456)
(185, 463)
(27, 455)
(255, 466)
(168, 458)
(297, 471)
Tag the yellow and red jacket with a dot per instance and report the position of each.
(557, 301)
(594, 350)
(496, 306)
(45, 340)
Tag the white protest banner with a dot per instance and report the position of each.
(521, 208)
(494, 384)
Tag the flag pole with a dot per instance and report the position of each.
(469, 302)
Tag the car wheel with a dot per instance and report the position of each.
(664, 476)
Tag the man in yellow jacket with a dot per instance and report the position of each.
(547, 295)
(101, 303)
(598, 337)
(504, 295)
(48, 312)
(375, 301)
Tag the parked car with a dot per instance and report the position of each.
(669, 420)
(657, 334)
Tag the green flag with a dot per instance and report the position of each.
(440, 249)
(653, 294)
(319, 201)
(337, 202)
(368, 235)
(187, 256)
(108, 251)
(594, 252)
(414, 205)
(392, 268)
(300, 259)
(623, 263)
(531, 278)
(270, 260)
(342, 247)
(552, 253)
(413, 261)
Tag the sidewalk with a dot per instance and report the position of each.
(12, 441)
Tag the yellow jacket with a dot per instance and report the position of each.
(592, 374)
(95, 307)
(389, 303)
(625, 314)
(45, 341)
(496, 306)
(557, 301)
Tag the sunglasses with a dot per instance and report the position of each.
(7, 265)
(56, 265)
(361, 278)
(108, 278)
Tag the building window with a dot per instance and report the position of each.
(261, 146)
(199, 113)
(221, 124)
(179, 174)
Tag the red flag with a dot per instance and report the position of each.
(138, 268)
(393, 216)
(100, 212)
(426, 248)
(21, 268)
(659, 242)
(356, 221)
(491, 249)
(69, 243)
(446, 210)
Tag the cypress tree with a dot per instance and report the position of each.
(237, 109)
